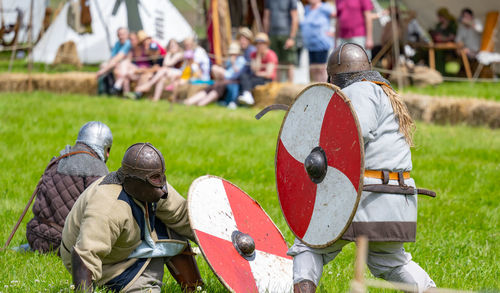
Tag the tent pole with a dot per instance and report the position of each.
(395, 41)
(256, 15)
(30, 49)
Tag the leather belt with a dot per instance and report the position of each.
(379, 174)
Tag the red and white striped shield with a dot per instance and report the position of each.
(319, 203)
(218, 210)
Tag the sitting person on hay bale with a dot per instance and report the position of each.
(226, 81)
(263, 65)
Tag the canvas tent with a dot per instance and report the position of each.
(159, 18)
(426, 11)
(9, 14)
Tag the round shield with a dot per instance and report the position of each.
(319, 165)
(240, 243)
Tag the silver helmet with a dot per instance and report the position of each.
(97, 136)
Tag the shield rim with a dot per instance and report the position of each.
(362, 155)
(190, 199)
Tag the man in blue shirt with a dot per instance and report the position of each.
(118, 53)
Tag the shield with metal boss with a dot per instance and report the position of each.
(240, 243)
(319, 165)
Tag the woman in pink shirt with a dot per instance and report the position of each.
(354, 23)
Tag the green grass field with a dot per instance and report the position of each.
(458, 232)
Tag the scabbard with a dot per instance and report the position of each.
(397, 189)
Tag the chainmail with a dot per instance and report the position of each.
(82, 165)
(345, 79)
(112, 178)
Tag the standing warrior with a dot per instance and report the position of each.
(386, 217)
(126, 226)
(64, 179)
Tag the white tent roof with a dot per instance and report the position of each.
(9, 16)
(160, 19)
(427, 9)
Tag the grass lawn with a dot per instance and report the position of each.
(458, 232)
(482, 90)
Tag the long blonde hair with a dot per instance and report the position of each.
(406, 124)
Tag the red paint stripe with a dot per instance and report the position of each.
(227, 263)
(296, 191)
(252, 220)
(340, 141)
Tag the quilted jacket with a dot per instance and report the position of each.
(55, 197)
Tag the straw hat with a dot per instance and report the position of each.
(246, 32)
(234, 49)
(142, 35)
(261, 38)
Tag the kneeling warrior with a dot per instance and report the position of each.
(387, 212)
(126, 226)
(64, 179)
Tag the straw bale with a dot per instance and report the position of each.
(288, 93)
(265, 94)
(424, 76)
(67, 54)
(485, 113)
(444, 111)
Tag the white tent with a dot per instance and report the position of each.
(427, 9)
(9, 14)
(160, 19)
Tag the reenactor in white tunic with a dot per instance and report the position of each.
(386, 213)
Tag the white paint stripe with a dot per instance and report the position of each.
(210, 209)
(272, 273)
(335, 200)
(302, 127)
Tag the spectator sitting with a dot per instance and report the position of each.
(168, 73)
(118, 54)
(152, 48)
(200, 57)
(245, 38)
(445, 29)
(469, 33)
(263, 66)
(224, 76)
(315, 34)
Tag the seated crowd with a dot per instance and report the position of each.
(139, 64)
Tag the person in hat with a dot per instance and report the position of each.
(153, 49)
(127, 226)
(263, 65)
(386, 216)
(62, 182)
(224, 76)
(245, 39)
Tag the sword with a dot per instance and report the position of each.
(271, 108)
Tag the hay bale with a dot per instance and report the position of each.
(485, 113)
(265, 94)
(424, 76)
(184, 91)
(67, 54)
(417, 105)
(444, 111)
(288, 93)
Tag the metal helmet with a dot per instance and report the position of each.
(97, 136)
(143, 170)
(348, 57)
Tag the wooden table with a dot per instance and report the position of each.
(447, 46)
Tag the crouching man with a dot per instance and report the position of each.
(126, 226)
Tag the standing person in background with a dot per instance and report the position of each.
(469, 33)
(316, 36)
(281, 23)
(354, 23)
(263, 65)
